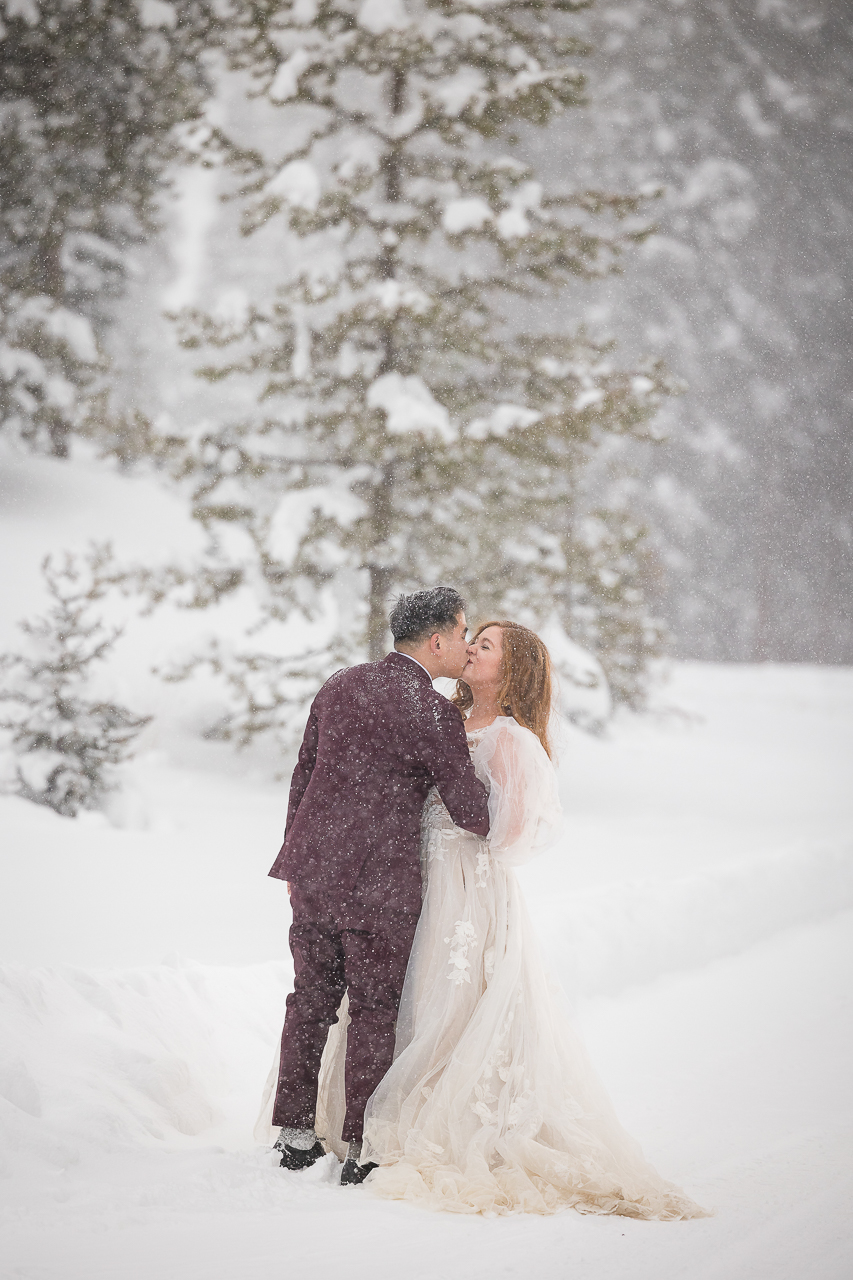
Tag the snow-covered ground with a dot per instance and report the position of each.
(699, 914)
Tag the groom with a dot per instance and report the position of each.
(378, 737)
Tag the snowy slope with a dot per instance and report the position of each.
(699, 913)
(134, 1158)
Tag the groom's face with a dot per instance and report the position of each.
(452, 650)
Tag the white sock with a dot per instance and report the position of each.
(354, 1150)
(298, 1139)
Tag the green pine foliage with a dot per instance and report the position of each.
(91, 96)
(415, 421)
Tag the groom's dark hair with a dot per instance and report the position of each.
(416, 617)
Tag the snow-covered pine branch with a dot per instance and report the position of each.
(416, 420)
(91, 97)
(49, 365)
(265, 693)
(66, 743)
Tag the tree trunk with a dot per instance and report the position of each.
(377, 618)
(48, 275)
(59, 431)
(49, 278)
(382, 575)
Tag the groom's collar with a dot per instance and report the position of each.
(397, 659)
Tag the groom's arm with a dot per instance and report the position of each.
(449, 763)
(304, 768)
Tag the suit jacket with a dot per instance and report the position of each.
(378, 737)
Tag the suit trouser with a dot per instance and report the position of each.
(340, 944)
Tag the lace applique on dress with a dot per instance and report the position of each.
(463, 938)
(436, 827)
(484, 866)
(513, 1081)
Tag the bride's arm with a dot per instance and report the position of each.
(524, 809)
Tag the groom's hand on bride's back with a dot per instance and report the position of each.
(462, 792)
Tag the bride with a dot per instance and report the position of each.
(491, 1104)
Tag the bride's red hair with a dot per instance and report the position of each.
(525, 692)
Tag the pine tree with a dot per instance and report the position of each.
(91, 93)
(66, 744)
(418, 421)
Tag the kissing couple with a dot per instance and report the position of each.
(423, 1041)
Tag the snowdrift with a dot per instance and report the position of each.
(107, 1061)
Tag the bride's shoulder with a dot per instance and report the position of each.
(510, 726)
(506, 731)
(514, 741)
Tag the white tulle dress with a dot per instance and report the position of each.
(491, 1104)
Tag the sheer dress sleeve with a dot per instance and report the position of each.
(524, 808)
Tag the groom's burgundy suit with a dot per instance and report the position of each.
(378, 737)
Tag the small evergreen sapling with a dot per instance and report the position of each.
(66, 743)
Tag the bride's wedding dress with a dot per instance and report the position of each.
(491, 1104)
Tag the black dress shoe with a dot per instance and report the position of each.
(354, 1173)
(294, 1159)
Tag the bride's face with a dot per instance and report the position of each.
(485, 656)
